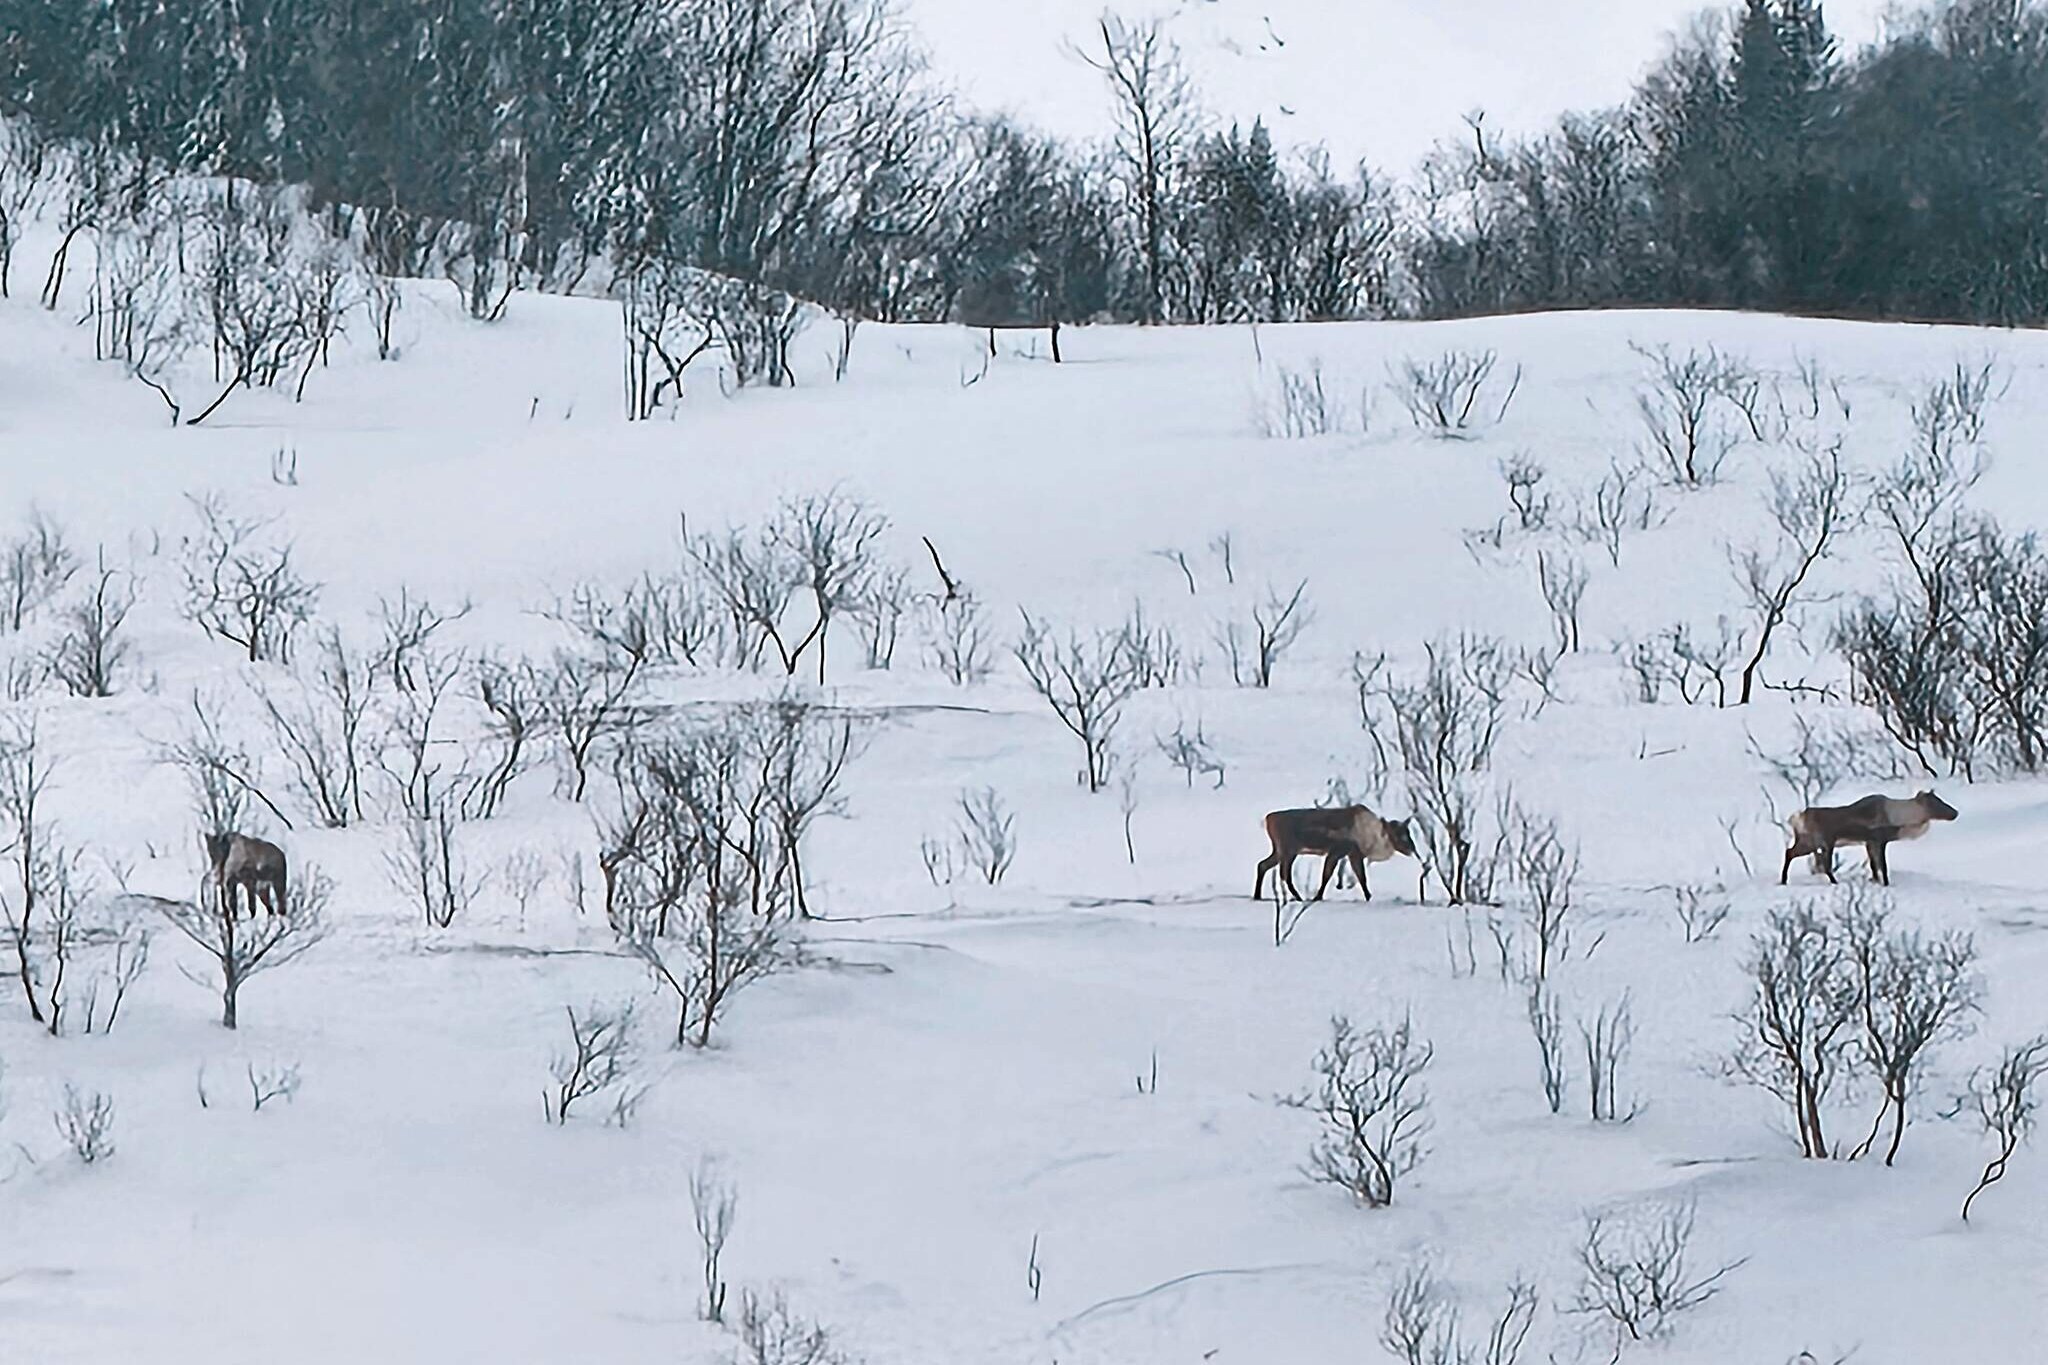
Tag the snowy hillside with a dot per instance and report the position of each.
(1022, 1123)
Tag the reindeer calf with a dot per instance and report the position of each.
(1344, 833)
(1873, 822)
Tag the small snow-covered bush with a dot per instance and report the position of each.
(1636, 1273)
(1373, 1108)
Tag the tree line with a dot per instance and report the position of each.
(804, 146)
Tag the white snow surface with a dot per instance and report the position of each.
(957, 1077)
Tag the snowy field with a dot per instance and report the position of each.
(945, 1131)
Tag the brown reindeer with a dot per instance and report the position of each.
(1341, 834)
(254, 867)
(1873, 822)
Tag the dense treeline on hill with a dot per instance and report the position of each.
(802, 145)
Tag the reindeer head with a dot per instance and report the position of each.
(1397, 835)
(1936, 808)
(217, 846)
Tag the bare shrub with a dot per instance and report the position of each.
(409, 626)
(1373, 1108)
(1635, 1271)
(1444, 396)
(1154, 651)
(35, 565)
(714, 1205)
(1621, 503)
(241, 591)
(243, 946)
(86, 1123)
(1423, 1325)
(319, 723)
(1700, 910)
(772, 1333)
(94, 649)
(221, 773)
(1605, 1040)
(1680, 404)
(803, 752)
(1563, 580)
(878, 615)
(272, 1081)
(427, 867)
(1546, 1025)
(268, 305)
(514, 724)
(985, 832)
(1297, 405)
(654, 620)
(523, 874)
(583, 701)
(1544, 869)
(1810, 508)
(1949, 414)
(1828, 752)
(1915, 992)
(1444, 723)
(1085, 680)
(32, 854)
(1700, 666)
(2003, 1100)
(957, 640)
(1531, 502)
(697, 887)
(1799, 1030)
(599, 1057)
(412, 741)
(1191, 753)
(1254, 650)
(823, 544)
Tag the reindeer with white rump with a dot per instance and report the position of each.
(1873, 822)
(1343, 833)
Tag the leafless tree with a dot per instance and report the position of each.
(35, 565)
(1828, 752)
(1373, 1108)
(25, 167)
(1277, 623)
(427, 866)
(1531, 502)
(144, 308)
(1799, 1031)
(1423, 1325)
(241, 591)
(1680, 406)
(412, 739)
(242, 946)
(410, 625)
(1154, 650)
(658, 308)
(584, 701)
(1563, 580)
(1635, 1270)
(253, 284)
(1605, 1040)
(222, 773)
(957, 640)
(600, 1057)
(1085, 680)
(697, 885)
(1546, 1025)
(1298, 405)
(1544, 869)
(714, 1205)
(1443, 724)
(1155, 114)
(985, 832)
(93, 651)
(879, 613)
(1701, 911)
(31, 844)
(1621, 503)
(514, 724)
(320, 723)
(2004, 1102)
(1914, 992)
(1191, 753)
(1810, 508)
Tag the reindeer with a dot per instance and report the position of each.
(1873, 822)
(255, 867)
(1342, 834)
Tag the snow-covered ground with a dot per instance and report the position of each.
(956, 1079)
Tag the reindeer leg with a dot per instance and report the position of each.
(1287, 877)
(1358, 871)
(1330, 863)
(1266, 864)
(1785, 872)
(1824, 861)
(1880, 870)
